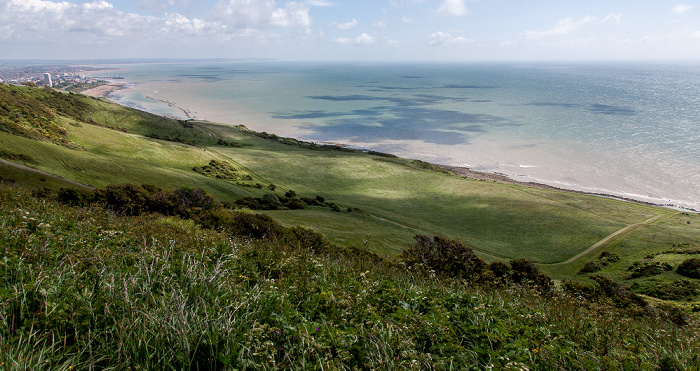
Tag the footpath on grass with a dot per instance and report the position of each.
(607, 239)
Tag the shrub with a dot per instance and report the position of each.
(74, 196)
(525, 271)
(690, 268)
(676, 290)
(591, 267)
(604, 259)
(500, 269)
(618, 295)
(647, 269)
(271, 199)
(578, 288)
(609, 257)
(253, 225)
(447, 257)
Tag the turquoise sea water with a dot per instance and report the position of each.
(631, 130)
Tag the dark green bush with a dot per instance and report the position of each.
(616, 294)
(74, 196)
(609, 257)
(525, 271)
(676, 290)
(500, 269)
(592, 267)
(690, 268)
(604, 259)
(131, 199)
(647, 268)
(445, 256)
(578, 288)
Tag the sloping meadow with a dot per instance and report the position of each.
(86, 288)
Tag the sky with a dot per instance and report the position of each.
(352, 30)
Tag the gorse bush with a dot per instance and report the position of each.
(90, 288)
(133, 200)
(445, 257)
(690, 268)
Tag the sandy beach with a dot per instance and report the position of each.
(103, 90)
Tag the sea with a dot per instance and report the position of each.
(631, 130)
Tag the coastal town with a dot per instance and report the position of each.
(55, 76)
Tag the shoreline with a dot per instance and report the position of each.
(497, 177)
(103, 91)
(457, 170)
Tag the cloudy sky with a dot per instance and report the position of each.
(373, 30)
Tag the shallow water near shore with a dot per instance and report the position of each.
(630, 130)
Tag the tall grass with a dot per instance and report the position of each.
(88, 289)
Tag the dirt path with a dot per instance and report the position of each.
(39, 172)
(608, 238)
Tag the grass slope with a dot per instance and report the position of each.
(399, 197)
(85, 288)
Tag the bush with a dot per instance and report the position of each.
(676, 290)
(133, 200)
(690, 268)
(647, 269)
(525, 271)
(74, 196)
(447, 257)
(604, 259)
(618, 295)
(578, 288)
(609, 257)
(592, 267)
(500, 269)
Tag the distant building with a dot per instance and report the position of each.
(47, 79)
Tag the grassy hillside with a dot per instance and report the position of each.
(86, 288)
(96, 143)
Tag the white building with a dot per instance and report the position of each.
(47, 79)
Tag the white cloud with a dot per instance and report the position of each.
(681, 8)
(80, 30)
(407, 20)
(261, 13)
(318, 3)
(612, 17)
(563, 27)
(379, 24)
(45, 20)
(452, 8)
(347, 25)
(179, 24)
(97, 5)
(35, 6)
(363, 39)
(293, 15)
(443, 38)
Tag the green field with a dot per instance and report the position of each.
(398, 198)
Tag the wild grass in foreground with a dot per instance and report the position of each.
(85, 288)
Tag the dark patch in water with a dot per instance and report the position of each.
(462, 86)
(553, 104)
(605, 109)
